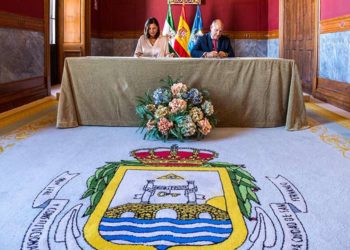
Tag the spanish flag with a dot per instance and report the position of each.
(182, 36)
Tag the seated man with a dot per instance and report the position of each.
(213, 44)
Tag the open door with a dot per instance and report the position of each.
(73, 30)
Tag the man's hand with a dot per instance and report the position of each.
(212, 54)
(222, 54)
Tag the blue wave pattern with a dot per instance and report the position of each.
(165, 232)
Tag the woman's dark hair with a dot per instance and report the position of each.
(151, 20)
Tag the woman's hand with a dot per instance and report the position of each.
(138, 54)
(170, 55)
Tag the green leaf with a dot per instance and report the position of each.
(99, 173)
(243, 209)
(174, 133)
(132, 163)
(247, 183)
(101, 185)
(252, 196)
(243, 191)
(108, 172)
(178, 131)
(95, 198)
(107, 167)
(221, 164)
(232, 169)
(206, 94)
(89, 211)
(212, 120)
(87, 193)
(248, 208)
(107, 179)
(237, 192)
(91, 182)
(208, 165)
(243, 173)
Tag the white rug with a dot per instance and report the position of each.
(44, 176)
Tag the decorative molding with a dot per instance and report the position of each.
(10, 20)
(261, 35)
(336, 93)
(273, 34)
(337, 24)
(184, 1)
(47, 48)
(130, 34)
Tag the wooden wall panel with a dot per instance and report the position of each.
(15, 94)
(336, 93)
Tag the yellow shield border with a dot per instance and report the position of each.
(235, 240)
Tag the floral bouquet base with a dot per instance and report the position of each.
(174, 111)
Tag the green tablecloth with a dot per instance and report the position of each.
(246, 92)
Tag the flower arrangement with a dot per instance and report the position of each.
(174, 111)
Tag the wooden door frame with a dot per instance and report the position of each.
(47, 72)
(87, 28)
(87, 38)
(316, 36)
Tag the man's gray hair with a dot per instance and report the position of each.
(215, 21)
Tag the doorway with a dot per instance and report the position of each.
(299, 32)
(53, 43)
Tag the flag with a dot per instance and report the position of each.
(196, 28)
(182, 36)
(169, 29)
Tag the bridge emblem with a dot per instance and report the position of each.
(177, 202)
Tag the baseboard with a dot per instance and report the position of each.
(333, 92)
(18, 93)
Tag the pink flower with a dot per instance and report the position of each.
(178, 88)
(204, 126)
(150, 124)
(164, 125)
(177, 105)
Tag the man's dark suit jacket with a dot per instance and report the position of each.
(205, 44)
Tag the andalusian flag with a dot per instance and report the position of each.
(169, 29)
(196, 29)
(182, 36)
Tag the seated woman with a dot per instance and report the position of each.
(151, 43)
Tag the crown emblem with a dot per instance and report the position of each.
(173, 156)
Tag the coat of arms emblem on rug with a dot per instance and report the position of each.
(169, 198)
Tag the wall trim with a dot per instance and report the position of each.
(273, 34)
(135, 34)
(130, 34)
(10, 20)
(337, 24)
(17, 93)
(333, 92)
(256, 35)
